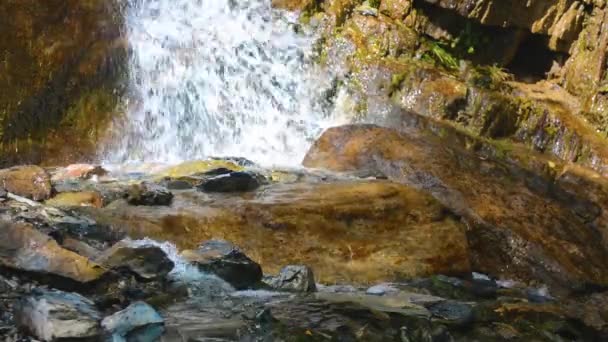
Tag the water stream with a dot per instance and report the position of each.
(219, 78)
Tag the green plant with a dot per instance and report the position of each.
(491, 77)
(439, 52)
(469, 41)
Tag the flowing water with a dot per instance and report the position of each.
(218, 78)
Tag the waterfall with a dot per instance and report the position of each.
(218, 78)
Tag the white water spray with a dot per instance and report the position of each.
(219, 78)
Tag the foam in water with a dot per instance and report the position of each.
(218, 78)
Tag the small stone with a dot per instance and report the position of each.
(53, 315)
(149, 195)
(147, 262)
(227, 262)
(138, 322)
(231, 182)
(29, 181)
(295, 278)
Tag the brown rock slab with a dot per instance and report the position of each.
(23, 248)
(27, 181)
(76, 199)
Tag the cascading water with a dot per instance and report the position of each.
(217, 78)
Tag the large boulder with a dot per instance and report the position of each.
(147, 262)
(227, 262)
(52, 315)
(27, 181)
(520, 224)
(25, 249)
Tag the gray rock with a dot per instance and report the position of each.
(231, 182)
(52, 315)
(381, 290)
(295, 278)
(138, 322)
(148, 194)
(147, 262)
(227, 262)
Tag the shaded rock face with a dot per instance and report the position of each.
(25, 249)
(514, 231)
(62, 64)
(27, 181)
(52, 315)
(560, 20)
(227, 262)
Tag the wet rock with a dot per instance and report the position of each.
(79, 172)
(76, 199)
(227, 262)
(358, 231)
(193, 167)
(178, 185)
(23, 248)
(147, 262)
(148, 194)
(30, 181)
(231, 182)
(52, 315)
(138, 322)
(295, 278)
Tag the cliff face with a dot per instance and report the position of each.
(528, 73)
(60, 71)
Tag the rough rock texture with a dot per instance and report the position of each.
(27, 181)
(62, 62)
(294, 278)
(25, 249)
(52, 315)
(227, 262)
(138, 322)
(517, 227)
(148, 194)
